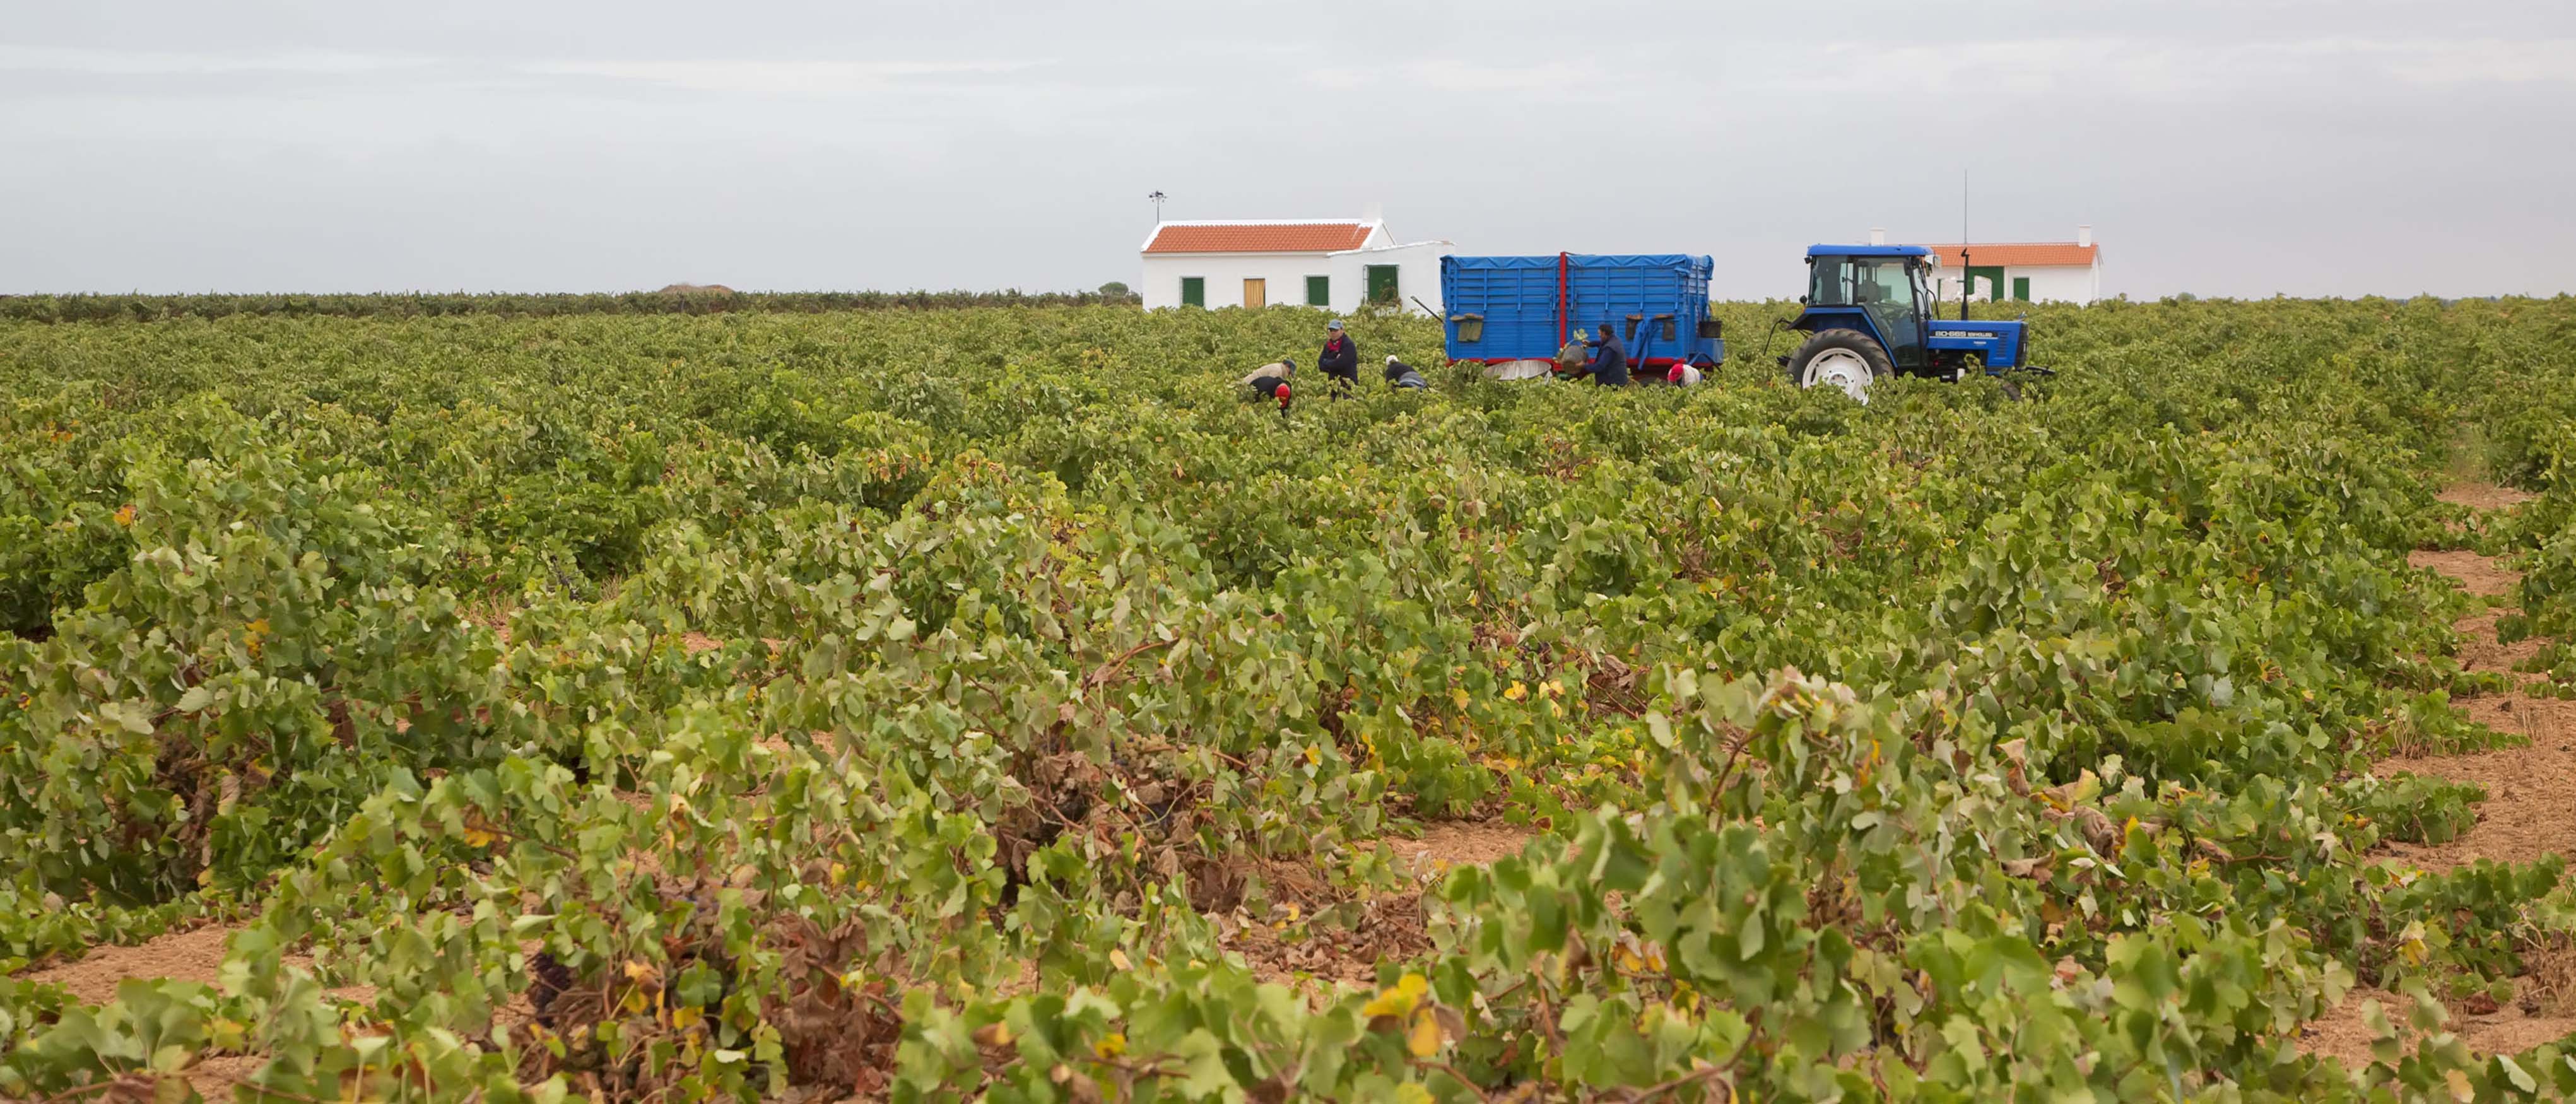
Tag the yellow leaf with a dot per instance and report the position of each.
(226, 1034)
(1517, 691)
(1118, 958)
(1111, 1045)
(1406, 995)
(478, 831)
(1314, 755)
(125, 514)
(1458, 694)
(993, 1035)
(1424, 1038)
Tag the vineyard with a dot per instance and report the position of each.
(802, 703)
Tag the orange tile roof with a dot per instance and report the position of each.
(2017, 254)
(1265, 237)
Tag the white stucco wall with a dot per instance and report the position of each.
(1417, 275)
(1225, 273)
(2066, 283)
(2048, 283)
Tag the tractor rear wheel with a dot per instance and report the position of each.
(1848, 360)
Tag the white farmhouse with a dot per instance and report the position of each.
(2068, 272)
(1337, 264)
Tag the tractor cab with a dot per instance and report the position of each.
(1870, 313)
(1881, 288)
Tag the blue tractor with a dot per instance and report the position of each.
(1869, 315)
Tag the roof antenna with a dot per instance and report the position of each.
(1158, 198)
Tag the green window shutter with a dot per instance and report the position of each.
(2021, 288)
(1992, 276)
(1194, 291)
(1319, 291)
(1381, 283)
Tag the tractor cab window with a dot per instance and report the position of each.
(1877, 283)
(1831, 277)
(1862, 282)
(1922, 294)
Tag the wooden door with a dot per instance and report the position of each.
(1256, 293)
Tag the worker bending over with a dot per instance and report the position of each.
(1270, 381)
(1340, 359)
(1401, 376)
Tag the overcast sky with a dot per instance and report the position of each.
(2223, 147)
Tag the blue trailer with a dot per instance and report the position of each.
(1505, 309)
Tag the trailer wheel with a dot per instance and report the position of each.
(1848, 360)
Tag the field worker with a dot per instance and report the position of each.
(1401, 376)
(1683, 375)
(1270, 381)
(1609, 365)
(1340, 359)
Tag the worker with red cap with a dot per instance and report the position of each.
(1270, 381)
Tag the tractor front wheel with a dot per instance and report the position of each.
(1848, 360)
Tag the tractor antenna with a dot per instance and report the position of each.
(1966, 281)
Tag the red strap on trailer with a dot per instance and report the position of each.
(1560, 300)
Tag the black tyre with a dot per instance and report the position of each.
(1847, 360)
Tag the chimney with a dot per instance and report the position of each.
(1878, 235)
(2084, 234)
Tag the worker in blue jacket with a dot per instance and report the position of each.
(1609, 365)
(1340, 359)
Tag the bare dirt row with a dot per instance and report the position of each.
(2530, 812)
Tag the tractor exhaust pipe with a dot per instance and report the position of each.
(1965, 281)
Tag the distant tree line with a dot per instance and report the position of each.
(676, 299)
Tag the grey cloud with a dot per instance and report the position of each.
(2218, 146)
